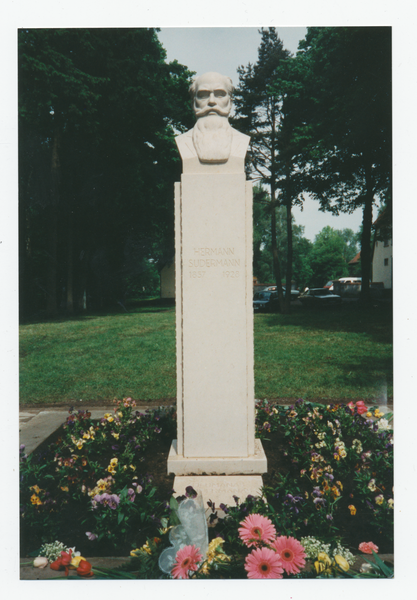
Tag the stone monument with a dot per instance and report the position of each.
(216, 451)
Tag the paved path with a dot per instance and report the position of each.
(36, 425)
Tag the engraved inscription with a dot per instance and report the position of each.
(231, 274)
(213, 251)
(213, 262)
(223, 257)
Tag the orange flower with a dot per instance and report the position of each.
(352, 509)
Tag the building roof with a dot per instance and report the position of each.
(356, 259)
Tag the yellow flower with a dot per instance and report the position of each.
(116, 435)
(352, 509)
(146, 548)
(132, 467)
(341, 562)
(335, 491)
(214, 545)
(135, 552)
(114, 461)
(378, 413)
(75, 562)
(205, 568)
(65, 488)
(369, 414)
(379, 499)
(86, 435)
(35, 488)
(120, 414)
(323, 563)
(35, 500)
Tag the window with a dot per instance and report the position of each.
(385, 262)
(386, 243)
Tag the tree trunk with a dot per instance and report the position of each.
(366, 233)
(51, 284)
(288, 280)
(274, 248)
(70, 265)
(275, 257)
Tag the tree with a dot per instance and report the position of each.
(262, 242)
(349, 86)
(98, 112)
(258, 115)
(328, 257)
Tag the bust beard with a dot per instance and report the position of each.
(212, 138)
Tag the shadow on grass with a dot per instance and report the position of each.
(363, 373)
(152, 305)
(375, 321)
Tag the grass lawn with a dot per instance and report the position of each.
(331, 354)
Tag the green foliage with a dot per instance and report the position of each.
(348, 83)
(98, 112)
(92, 473)
(327, 257)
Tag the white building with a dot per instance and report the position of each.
(382, 252)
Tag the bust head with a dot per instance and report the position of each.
(212, 100)
(211, 95)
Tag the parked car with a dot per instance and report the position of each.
(263, 301)
(329, 285)
(350, 280)
(294, 293)
(319, 297)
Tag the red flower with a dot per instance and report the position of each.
(62, 562)
(84, 569)
(66, 558)
(360, 407)
(57, 564)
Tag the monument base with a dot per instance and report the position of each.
(250, 465)
(221, 488)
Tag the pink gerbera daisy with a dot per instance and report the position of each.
(263, 563)
(255, 529)
(367, 547)
(291, 552)
(186, 560)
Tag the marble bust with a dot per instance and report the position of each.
(212, 141)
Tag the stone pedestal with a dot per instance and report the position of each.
(214, 329)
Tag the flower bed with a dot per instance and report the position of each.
(328, 488)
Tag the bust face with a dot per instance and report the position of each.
(212, 96)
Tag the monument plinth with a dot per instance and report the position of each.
(214, 314)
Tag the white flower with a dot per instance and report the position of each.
(40, 562)
(383, 425)
(371, 485)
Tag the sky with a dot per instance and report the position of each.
(224, 49)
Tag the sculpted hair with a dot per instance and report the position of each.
(227, 82)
